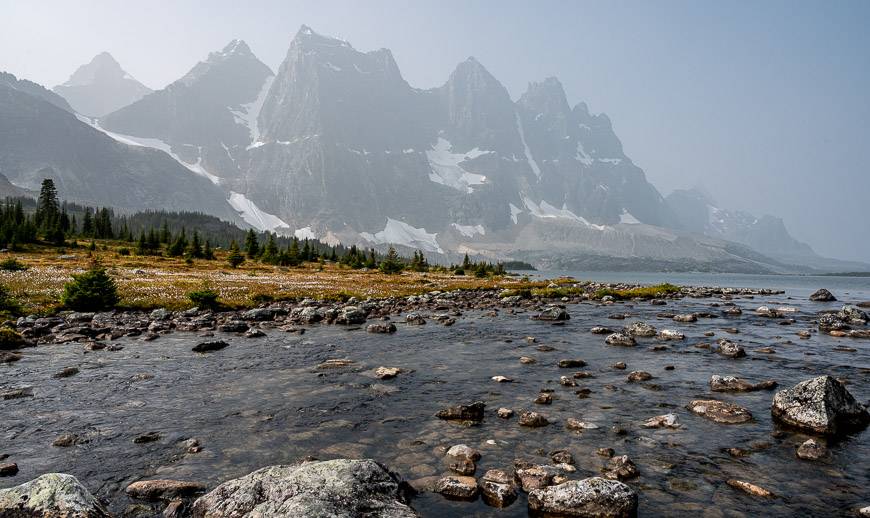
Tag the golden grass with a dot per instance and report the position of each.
(647, 292)
(149, 282)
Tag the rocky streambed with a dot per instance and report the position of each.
(470, 403)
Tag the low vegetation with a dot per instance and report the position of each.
(646, 292)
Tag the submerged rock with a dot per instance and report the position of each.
(54, 495)
(620, 339)
(461, 488)
(749, 488)
(472, 413)
(213, 345)
(730, 349)
(163, 489)
(662, 421)
(734, 384)
(382, 328)
(591, 497)
(811, 450)
(340, 487)
(820, 405)
(533, 420)
(720, 411)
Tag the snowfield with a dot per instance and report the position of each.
(400, 233)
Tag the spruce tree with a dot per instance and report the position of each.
(194, 250)
(47, 207)
(252, 247)
(235, 257)
(207, 252)
(392, 263)
(270, 251)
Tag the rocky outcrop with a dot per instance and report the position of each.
(591, 497)
(720, 411)
(338, 487)
(54, 495)
(823, 295)
(819, 405)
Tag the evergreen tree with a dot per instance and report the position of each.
(235, 257)
(93, 290)
(194, 250)
(88, 224)
(466, 263)
(165, 236)
(207, 252)
(47, 207)
(270, 251)
(252, 247)
(176, 249)
(392, 263)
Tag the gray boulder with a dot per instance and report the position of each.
(339, 487)
(553, 314)
(53, 495)
(822, 295)
(591, 497)
(641, 329)
(820, 405)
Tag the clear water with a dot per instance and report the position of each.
(262, 401)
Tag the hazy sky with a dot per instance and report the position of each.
(765, 104)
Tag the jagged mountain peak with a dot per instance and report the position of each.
(236, 47)
(547, 97)
(306, 36)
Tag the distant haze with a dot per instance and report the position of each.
(764, 105)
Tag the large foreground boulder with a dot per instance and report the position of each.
(340, 487)
(591, 497)
(820, 405)
(54, 495)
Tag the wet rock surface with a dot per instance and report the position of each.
(591, 497)
(54, 495)
(821, 405)
(338, 487)
(308, 388)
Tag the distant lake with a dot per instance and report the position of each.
(851, 289)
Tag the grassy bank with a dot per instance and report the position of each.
(146, 282)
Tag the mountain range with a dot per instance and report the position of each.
(336, 145)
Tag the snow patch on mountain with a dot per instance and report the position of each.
(304, 233)
(250, 112)
(627, 219)
(253, 215)
(546, 211)
(446, 166)
(582, 156)
(515, 211)
(153, 143)
(400, 233)
(469, 230)
(529, 158)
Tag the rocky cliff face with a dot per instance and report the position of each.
(338, 146)
(101, 87)
(39, 140)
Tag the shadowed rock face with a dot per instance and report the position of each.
(591, 497)
(338, 487)
(820, 405)
(54, 495)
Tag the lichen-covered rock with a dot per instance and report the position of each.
(620, 339)
(822, 295)
(720, 411)
(497, 488)
(533, 420)
(811, 450)
(592, 497)
(820, 405)
(54, 495)
(620, 468)
(640, 329)
(671, 334)
(734, 384)
(553, 314)
(340, 487)
(460, 488)
(730, 349)
(472, 413)
(662, 421)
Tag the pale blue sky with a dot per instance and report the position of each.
(765, 104)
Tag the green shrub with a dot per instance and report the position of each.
(12, 265)
(93, 290)
(7, 303)
(124, 251)
(204, 298)
(647, 292)
(10, 339)
(459, 271)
